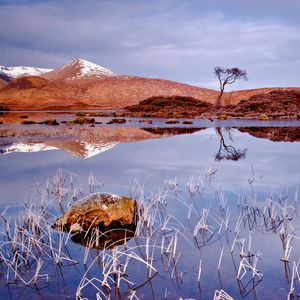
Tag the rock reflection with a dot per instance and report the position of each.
(171, 131)
(108, 239)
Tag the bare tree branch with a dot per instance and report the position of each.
(227, 76)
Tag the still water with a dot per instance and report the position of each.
(228, 167)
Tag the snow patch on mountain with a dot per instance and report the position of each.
(86, 68)
(16, 72)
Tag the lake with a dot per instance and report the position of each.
(220, 199)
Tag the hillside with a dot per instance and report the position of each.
(36, 93)
(2, 83)
(113, 92)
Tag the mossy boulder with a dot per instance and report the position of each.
(100, 210)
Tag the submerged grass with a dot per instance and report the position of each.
(31, 250)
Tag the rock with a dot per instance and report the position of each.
(172, 121)
(116, 121)
(146, 121)
(263, 117)
(51, 122)
(103, 211)
(187, 122)
(118, 114)
(222, 117)
(27, 122)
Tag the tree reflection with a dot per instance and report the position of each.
(228, 152)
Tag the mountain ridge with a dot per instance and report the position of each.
(80, 84)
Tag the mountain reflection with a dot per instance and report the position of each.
(85, 142)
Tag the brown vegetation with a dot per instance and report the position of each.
(231, 98)
(173, 106)
(276, 104)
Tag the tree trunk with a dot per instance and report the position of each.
(218, 102)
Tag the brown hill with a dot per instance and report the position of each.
(109, 92)
(121, 91)
(36, 93)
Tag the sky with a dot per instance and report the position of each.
(180, 40)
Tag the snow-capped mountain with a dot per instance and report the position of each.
(78, 69)
(75, 69)
(10, 73)
(80, 84)
(77, 148)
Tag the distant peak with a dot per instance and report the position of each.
(86, 68)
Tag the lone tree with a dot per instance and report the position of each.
(227, 76)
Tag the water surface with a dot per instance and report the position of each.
(231, 164)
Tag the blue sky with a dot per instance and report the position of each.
(172, 39)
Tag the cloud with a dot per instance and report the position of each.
(169, 39)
